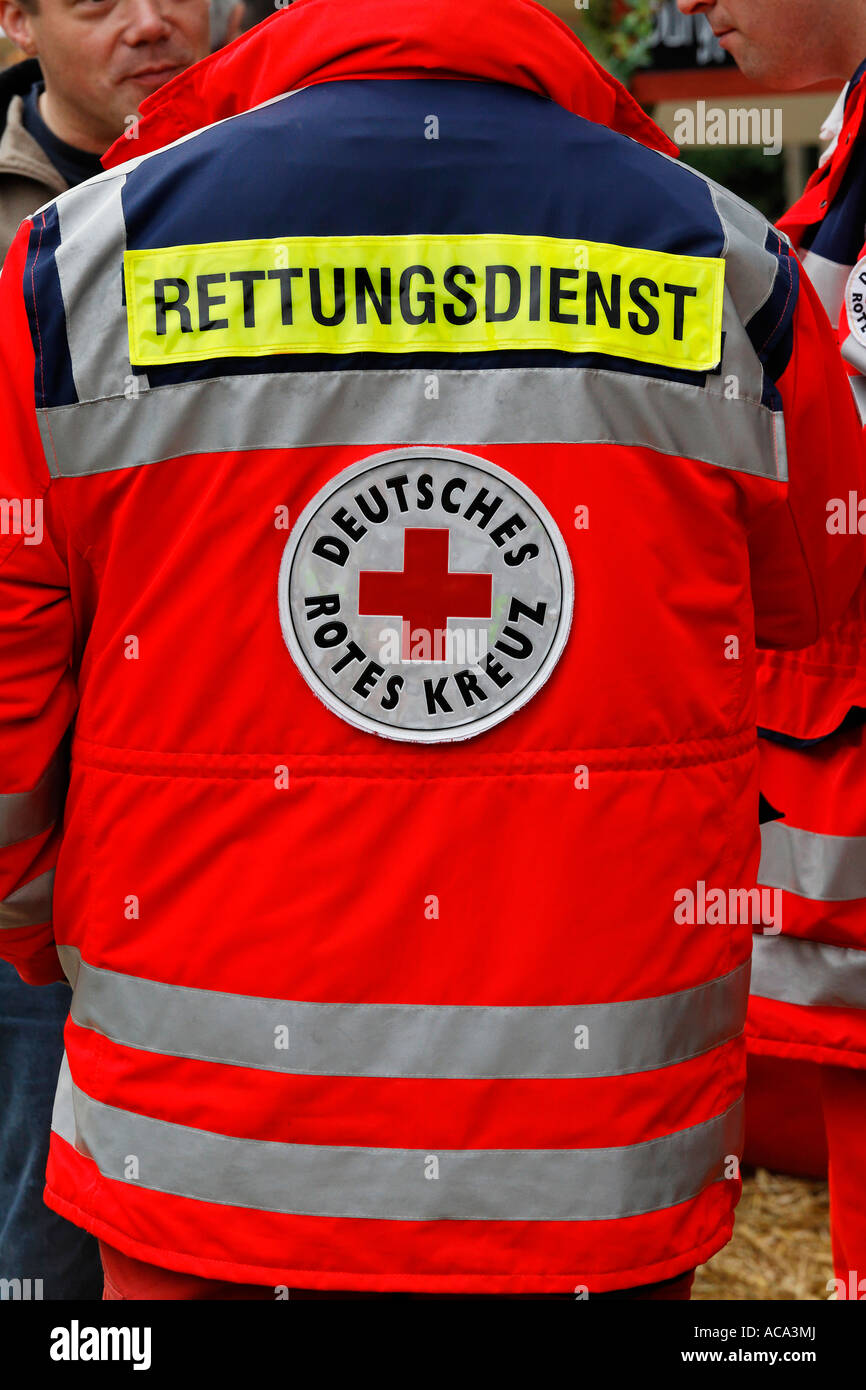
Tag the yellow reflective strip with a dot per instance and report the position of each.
(474, 293)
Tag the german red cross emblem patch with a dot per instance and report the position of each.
(425, 594)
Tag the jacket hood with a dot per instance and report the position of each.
(16, 81)
(512, 41)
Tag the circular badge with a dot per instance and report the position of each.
(855, 302)
(425, 594)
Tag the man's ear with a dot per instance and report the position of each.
(17, 25)
(235, 23)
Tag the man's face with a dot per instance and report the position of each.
(784, 44)
(101, 58)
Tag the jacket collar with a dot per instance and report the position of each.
(819, 194)
(24, 157)
(512, 41)
(16, 81)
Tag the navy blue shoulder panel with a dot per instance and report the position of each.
(53, 383)
(353, 157)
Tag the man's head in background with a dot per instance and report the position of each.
(242, 15)
(786, 44)
(101, 58)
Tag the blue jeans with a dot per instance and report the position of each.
(35, 1243)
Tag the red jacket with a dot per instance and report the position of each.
(393, 969)
(809, 982)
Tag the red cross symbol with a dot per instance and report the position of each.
(425, 593)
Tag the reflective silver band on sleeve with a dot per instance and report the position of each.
(89, 262)
(30, 906)
(389, 1184)
(24, 814)
(854, 352)
(750, 268)
(808, 972)
(858, 390)
(493, 406)
(829, 279)
(824, 868)
(407, 1040)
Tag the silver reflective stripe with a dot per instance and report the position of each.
(407, 1040)
(394, 1184)
(24, 814)
(89, 263)
(497, 405)
(858, 388)
(809, 972)
(750, 275)
(854, 352)
(825, 868)
(829, 279)
(750, 269)
(29, 906)
(63, 1116)
(780, 443)
(740, 360)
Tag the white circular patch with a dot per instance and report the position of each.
(425, 594)
(855, 302)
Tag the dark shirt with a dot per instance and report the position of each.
(75, 165)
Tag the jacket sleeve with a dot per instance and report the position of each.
(37, 686)
(804, 571)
